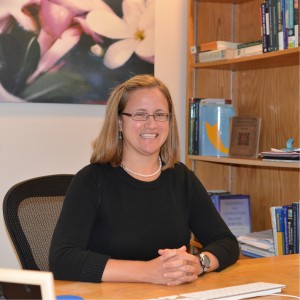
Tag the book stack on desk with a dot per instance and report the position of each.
(257, 244)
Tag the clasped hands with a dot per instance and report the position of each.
(176, 266)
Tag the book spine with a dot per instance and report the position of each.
(191, 124)
(284, 26)
(275, 23)
(271, 25)
(280, 26)
(216, 101)
(251, 50)
(280, 230)
(197, 134)
(290, 229)
(249, 44)
(273, 222)
(290, 23)
(264, 37)
(216, 55)
(296, 22)
(285, 229)
(296, 229)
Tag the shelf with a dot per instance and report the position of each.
(245, 162)
(279, 58)
(265, 85)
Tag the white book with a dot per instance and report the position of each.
(256, 49)
(215, 55)
(257, 251)
(260, 239)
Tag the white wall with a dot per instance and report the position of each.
(41, 139)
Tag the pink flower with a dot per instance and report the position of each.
(62, 24)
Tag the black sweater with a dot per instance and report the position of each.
(109, 214)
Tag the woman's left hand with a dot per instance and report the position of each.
(179, 265)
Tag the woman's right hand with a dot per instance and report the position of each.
(173, 267)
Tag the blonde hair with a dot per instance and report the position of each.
(108, 148)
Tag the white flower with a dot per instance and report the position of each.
(135, 31)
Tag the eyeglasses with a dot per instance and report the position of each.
(143, 116)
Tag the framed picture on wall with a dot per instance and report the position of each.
(70, 51)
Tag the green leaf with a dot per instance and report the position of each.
(29, 64)
(10, 61)
(55, 87)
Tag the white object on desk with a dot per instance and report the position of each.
(236, 292)
(42, 279)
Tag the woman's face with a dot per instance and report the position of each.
(144, 137)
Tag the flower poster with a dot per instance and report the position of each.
(72, 51)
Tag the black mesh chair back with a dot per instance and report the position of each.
(31, 209)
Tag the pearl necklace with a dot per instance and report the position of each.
(143, 175)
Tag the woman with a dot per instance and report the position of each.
(129, 215)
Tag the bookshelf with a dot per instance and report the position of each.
(265, 85)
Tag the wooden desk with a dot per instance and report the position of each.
(280, 269)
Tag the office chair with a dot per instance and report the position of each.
(31, 209)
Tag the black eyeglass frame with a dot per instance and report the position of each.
(167, 115)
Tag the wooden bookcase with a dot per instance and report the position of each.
(266, 85)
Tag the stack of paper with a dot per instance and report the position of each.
(257, 244)
(281, 155)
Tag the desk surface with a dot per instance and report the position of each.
(279, 269)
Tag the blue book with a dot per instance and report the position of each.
(286, 238)
(235, 211)
(215, 128)
(296, 225)
(290, 229)
(279, 229)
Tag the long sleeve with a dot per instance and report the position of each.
(70, 258)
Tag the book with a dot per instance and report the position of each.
(290, 229)
(249, 44)
(235, 211)
(272, 6)
(274, 229)
(296, 22)
(244, 136)
(216, 101)
(290, 23)
(264, 36)
(217, 45)
(216, 55)
(193, 126)
(281, 155)
(280, 25)
(252, 251)
(286, 239)
(215, 128)
(279, 230)
(250, 50)
(296, 226)
(259, 239)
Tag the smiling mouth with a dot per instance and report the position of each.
(149, 135)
